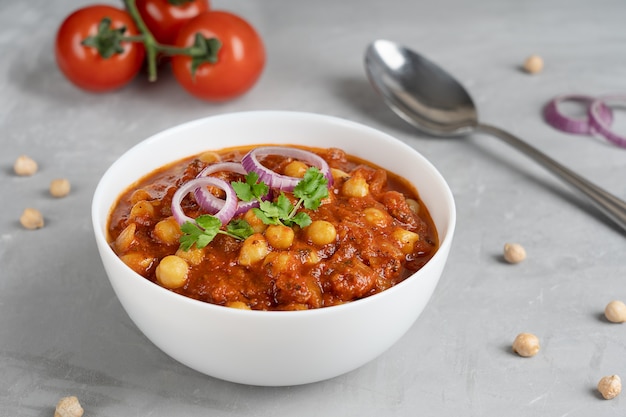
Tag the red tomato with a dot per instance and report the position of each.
(240, 59)
(165, 19)
(83, 65)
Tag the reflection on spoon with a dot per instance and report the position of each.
(430, 99)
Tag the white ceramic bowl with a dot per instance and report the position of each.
(273, 348)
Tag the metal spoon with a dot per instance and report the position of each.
(430, 99)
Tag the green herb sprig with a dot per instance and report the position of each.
(206, 227)
(310, 191)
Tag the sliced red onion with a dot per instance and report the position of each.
(212, 203)
(222, 167)
(224, 214)
(576, 125)
(275, 180)
(600, 125)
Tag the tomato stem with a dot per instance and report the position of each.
(149, 41)
(204, 50)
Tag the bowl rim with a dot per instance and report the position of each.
(445, 241)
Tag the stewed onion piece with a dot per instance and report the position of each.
(224, 214)
(275, 180)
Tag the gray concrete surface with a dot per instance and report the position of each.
(63, 332)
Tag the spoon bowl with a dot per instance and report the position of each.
(440, 107)
(430, 99)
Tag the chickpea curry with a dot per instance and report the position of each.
(273, 228)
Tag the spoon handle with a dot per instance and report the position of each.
(607, 203)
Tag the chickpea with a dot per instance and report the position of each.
(68, 407)
(193, 256)
(321, 232)
(25, 166)
(210, 157)
(138, 262)
(309, 257)
(615, 312)
(278, 262)
(355, 186)
(139, 195)
(533, 64)
(254, 249)
(257, 224)
(413, 205)
(59, 187)
(338, 174)
(296, 169)
(279, 236)
(172, 272)
(31, 219)
(168, 231)
(526, 345)
(126, 238)
(406, 239)
(610, 386)
(514, 253)
(142, 209)
(376, 217)
(238, 305)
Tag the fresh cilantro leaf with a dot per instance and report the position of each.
(208, 222)
(252, 189)
(301, 219)
(206, 227)
(312, 189)
(200, 233)
(239, 228)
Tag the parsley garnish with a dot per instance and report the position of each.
(206, 227)
(310, 191)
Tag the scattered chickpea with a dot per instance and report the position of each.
(514, 253)
(526, 345)
(533, 64)
(59, 187)
(25, 166)
(32, 219)
(68, 407)
(610, 386)
(615, 312)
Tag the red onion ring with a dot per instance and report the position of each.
(224, 214)
(251, 162)
(600, 125)
(582, 126)
(213, 204)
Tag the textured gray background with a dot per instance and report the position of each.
(63, 332)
